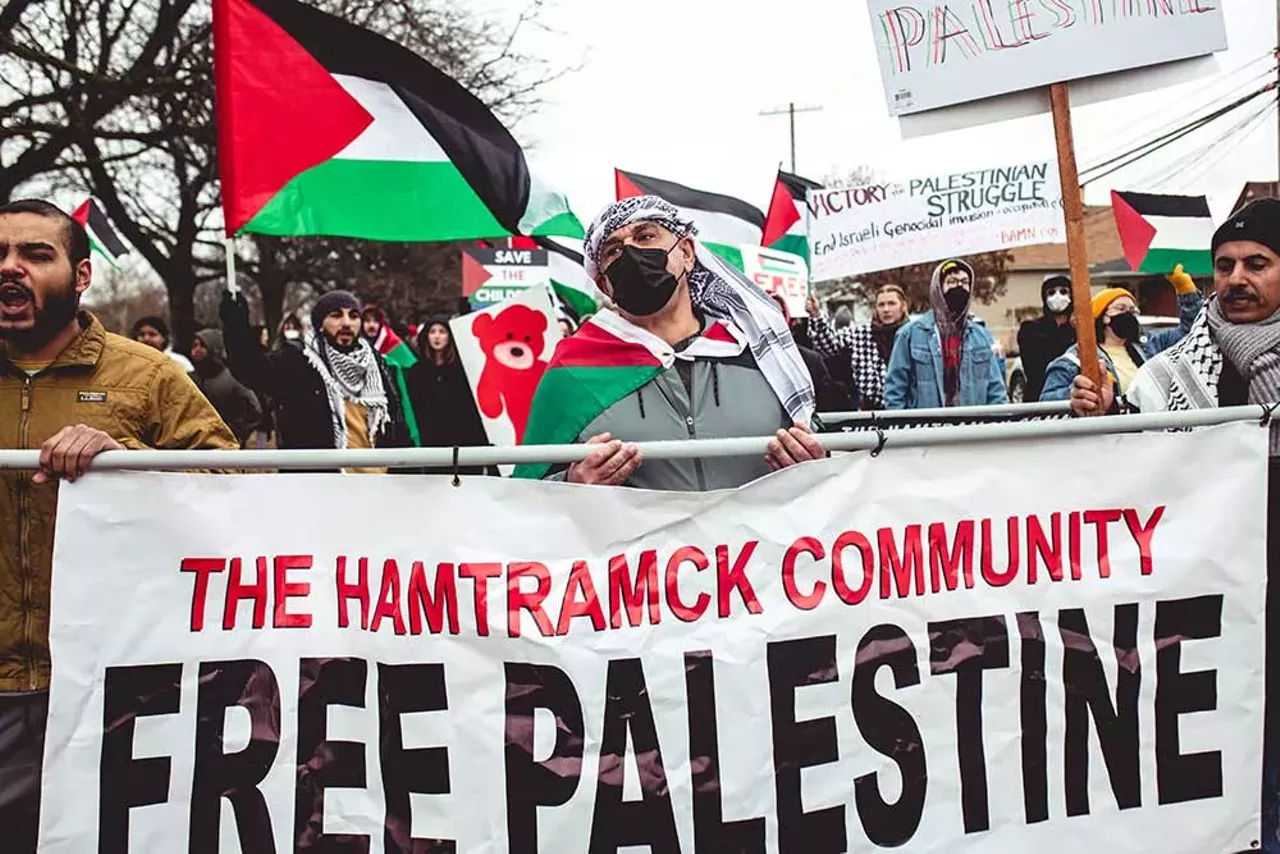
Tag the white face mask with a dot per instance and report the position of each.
(1058, 303)
(292, 334)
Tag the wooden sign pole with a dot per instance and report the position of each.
(1073, 208)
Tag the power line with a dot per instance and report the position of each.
(1132, 156)
(1167, 172)
(1255, 122)
(1213, 102)
(790, 111)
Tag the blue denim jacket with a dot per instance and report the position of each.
(1062, 371)
(914, 376)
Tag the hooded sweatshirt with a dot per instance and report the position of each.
(238, 406)
(1042, 340)
(950, 327)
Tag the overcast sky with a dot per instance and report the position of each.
(673, 88)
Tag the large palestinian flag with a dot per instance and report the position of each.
(103, 238)
(722, 221)
(786, 226)
(1160, 232)
(325, 128)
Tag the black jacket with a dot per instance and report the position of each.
(303, 417)
(1040, 341)
(830, 395)
(446, 409)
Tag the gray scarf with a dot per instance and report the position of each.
(1253, 349)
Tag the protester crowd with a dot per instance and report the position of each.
(686, 348)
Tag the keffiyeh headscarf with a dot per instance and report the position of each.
(353, 376)
(721, 292)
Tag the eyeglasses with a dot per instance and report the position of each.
(1061, 291)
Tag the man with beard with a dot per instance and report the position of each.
(73, 390)
(1047, 337)
(1229, 357)
(869, 345)
(693, 350)
(945, 357)
(334, 392)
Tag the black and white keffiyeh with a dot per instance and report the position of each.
(353, 376)
(721, 292)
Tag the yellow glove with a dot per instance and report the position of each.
(1182, 283)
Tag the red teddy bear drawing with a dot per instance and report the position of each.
(512, 341)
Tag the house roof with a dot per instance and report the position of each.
(1101, 238)
(1256, 190)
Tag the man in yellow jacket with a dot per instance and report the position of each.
(73, 390)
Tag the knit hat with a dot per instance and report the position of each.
(1105, 298)
(1258, 221)
(329, 303)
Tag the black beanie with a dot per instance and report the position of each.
(1258, 221)
(329, 303)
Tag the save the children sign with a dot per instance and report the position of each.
(927, 650)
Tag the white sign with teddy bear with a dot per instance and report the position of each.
(505, 350)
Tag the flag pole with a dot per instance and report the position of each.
(1073, 209)
(229, 250)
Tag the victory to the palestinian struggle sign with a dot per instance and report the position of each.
(927, 651)
(885, 225)
(936, 53)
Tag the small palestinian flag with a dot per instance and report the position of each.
(102, 235)
(325, 128)
(786, 226)
(1160, 232)
(603, 362)
(722, 221)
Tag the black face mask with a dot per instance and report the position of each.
(642, 285)
(957, 299)
(1126, 326)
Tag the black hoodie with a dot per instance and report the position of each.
(1042, 340)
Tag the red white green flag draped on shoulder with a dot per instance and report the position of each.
(325, 128)
(600, 364)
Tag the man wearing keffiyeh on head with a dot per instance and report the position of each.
(333, 392)
(1229, 357)
(692, 351)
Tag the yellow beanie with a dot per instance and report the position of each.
(1106, 297)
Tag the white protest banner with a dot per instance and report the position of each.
(779, 273)
(886, 225)
(505, 350)
(935, 53)
(927, 650)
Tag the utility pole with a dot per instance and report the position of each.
(790, 112)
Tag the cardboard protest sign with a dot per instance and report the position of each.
(886, 225)
(779, 273)
(935, 54)
(927, 651)
(505, 350)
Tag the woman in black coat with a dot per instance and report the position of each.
(441, 395)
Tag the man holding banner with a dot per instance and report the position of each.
(73, 390)
(694, 350)
(1230, 357)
